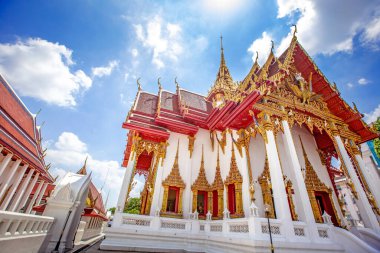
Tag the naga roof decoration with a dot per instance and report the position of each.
(291, 81)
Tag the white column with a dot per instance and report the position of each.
(36, 193)
(278, 187)
(20, 192)
(246, 198)
(15, 186)
(299, 180)
(28, 192)
(5, 163)
(9, 178)
(365, 209)
(125, 186)
(157, 189)
(40, 196)
(373, 182)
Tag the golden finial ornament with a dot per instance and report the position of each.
(257, 56)
(295, 30)
(138, 84)
(159, 83)
(272, 47)
(176, 83)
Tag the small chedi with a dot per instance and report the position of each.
(218, 169)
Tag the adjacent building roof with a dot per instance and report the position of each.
(19, 133)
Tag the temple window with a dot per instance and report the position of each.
(201, 192)
(173, 191)
(233, 184)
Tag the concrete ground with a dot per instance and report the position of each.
(94, 248)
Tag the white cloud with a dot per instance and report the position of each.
(372, 31)
(328, 27)
(372, 116)
(262, 46)
(162, 39)
(105, 70)
(363, 81)
(41, 69)
(68, 154)
(350, 85)
(135, 52)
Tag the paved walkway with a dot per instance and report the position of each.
(95, 249)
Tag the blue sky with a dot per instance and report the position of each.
(78, 61)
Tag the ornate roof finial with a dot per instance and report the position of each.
(159, 84)
(138, 84)
(295, 30)
(222, 61)
(83, 170)
(272, 47)
(176, 83)
(355, 108)
(257, 56)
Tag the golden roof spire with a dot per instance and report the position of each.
(159, 84)
(217, 159)
(83, 170)
(224, 81)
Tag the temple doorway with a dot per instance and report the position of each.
(202, 203)
(231, 198)
(215, 203)
(325, 205)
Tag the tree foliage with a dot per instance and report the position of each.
(133, 206)
(112, 210)
(376, 142)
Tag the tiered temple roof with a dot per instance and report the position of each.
(19, 133)
(153, 116)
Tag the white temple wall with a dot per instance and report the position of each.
(257, 155)
(288, 171)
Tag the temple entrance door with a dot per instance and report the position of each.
(231, 198)
(324, 204)
(215, 203)
(173, 196)
(202, 203)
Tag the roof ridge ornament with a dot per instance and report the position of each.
(295, 30)
(159, 84)
(138, 84)
(272, 47)
(176, 83)
(257, 57)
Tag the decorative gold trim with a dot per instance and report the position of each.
(266, 188)
(289, 192)
(234, 177)
(313, 184)
(174, 179)
(191, 144)
(223, 141)
(200, 184)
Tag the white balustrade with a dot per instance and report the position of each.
(14, 225)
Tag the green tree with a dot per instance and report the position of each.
(112, 210)
(376, 142)
(133, 206)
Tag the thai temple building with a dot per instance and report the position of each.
(247, 167)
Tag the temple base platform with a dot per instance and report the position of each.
(158, 234)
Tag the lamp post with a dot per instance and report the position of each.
(267, 210)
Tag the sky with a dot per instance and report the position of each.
(78, 61)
